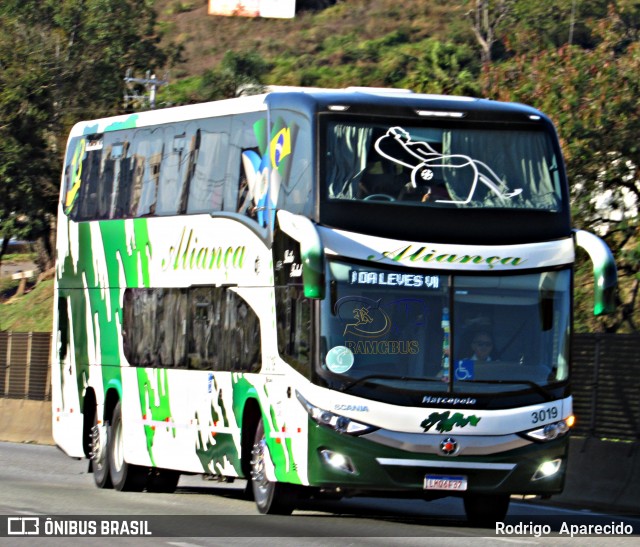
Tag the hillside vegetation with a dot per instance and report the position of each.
(334, 37)
(576, 61)
(360, 42)
(32, 312)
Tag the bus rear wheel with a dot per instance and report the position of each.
(100, 435)
(272, 498)
(484, 510)
(124, 476)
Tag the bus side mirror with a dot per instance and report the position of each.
(304, 232)
(604, 271)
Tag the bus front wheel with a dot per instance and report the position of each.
(124, 476)
(484, 510)
(272, 498)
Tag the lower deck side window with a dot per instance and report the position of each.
(205, 328)
(293, 313)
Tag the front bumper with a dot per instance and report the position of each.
(374, 467)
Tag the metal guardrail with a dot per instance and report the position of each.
(606, 379)
(24, 365)
(606, 386)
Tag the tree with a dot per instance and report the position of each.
(27, 166)
(60, 61)
(548, 24)
(445, 68)
(238, 73)
(486, 18)
(592, 96)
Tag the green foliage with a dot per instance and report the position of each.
(180, 92)
(27, 167)
(445, 68)
(239, 73)
(302, 5)
(31, 312)
(180, 7)
(549, 24)
(592, 96)
(391, 60)
(62, 61)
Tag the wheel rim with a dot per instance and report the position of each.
(259, 479)
(98, 446)
(117, 455)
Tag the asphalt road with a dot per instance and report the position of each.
(40, 482)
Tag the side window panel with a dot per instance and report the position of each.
(219, 164)
(83, 177)
(112, 175)
(148, 145)
(291, 153)
(73, 175)
(175, 161)
(293, 316)
(154, 327)
(293, 309)
(208, 166)
(224, 331)
(125, 186)
(247, 189)
(204, 328)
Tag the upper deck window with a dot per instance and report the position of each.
(442, 165)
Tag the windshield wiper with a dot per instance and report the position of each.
(365, 379)
(536, 387)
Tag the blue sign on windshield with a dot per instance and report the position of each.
(463, 369)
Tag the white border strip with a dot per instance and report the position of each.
(452, 465)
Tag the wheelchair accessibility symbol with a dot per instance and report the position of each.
(464, 370)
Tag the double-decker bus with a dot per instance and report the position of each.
(295, 288)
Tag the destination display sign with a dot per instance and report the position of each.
(359, 277)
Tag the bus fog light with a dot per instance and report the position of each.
(547, 469)
(338, 461)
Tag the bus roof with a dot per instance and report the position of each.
(353, 99)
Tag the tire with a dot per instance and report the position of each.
(162, 481)
(272, 498)
(124, 476)
(485, 510)
(100, 436)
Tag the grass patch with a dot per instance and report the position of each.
(18, 257)
(32, 312)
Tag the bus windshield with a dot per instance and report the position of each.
(413, 330)
(442, 165)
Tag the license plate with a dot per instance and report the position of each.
(445, 482)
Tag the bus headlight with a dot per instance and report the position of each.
(550, 432)
(338, 423)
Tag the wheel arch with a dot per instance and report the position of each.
(110, 401)
(251, 417)
(89, 410)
